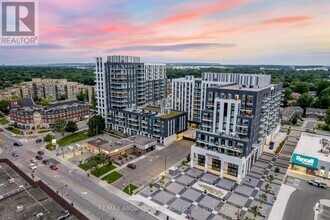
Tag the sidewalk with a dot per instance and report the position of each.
(279, 206)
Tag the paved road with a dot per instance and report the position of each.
(301, 202)
(81, 190)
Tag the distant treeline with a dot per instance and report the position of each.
(11, 75)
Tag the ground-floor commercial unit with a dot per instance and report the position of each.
(224, 165)
(116, 148)
(311, 155)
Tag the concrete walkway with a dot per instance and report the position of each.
(279, 206)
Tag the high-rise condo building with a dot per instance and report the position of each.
(236, 121)
(131, 96)
(188, 93)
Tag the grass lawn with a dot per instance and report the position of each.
(3, 121)
(102, 170)
(112, 177)
(75, 137)
(83, 166)
(129, 189)
(50, 147)
(14, 130)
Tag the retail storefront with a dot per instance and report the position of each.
(311, 156)
(304, 164)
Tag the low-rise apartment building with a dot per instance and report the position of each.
(37, 117)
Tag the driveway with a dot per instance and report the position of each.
(301, 202)
(154, 163)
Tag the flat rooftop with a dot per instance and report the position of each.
(157, 109)
(310, 145)
(240, 87)
(33, 200)
(110, 143)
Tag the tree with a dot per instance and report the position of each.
(255, 211)
(270, 178)
(267, 188)
(323, 101)
(81, 96)
(48, 138)
(4, 106)
(300, 87)
(321, 86)
(94, 100)
(96, 124)
(277, 170)
(263, 198)
(287, 93)
(295, 120)
(59, 126)
(86, 97)
(71, 126)
(45, 102)
(62, 97)
(305, 101)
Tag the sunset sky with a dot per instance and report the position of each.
(223, 31)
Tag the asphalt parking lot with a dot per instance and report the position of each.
(154, 164)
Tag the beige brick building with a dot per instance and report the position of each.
(52, 89)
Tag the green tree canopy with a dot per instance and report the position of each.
(59, 126)
(305, 101)
(323, 101)
(96, 124)
(81, 96)
(4, 106)
(71, 126)
(48, 138)
(45, 102)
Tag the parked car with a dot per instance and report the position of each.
(309, 130)
(39, 157)
(45, 162)
(64, 216)
(33, 166)
(15, 154)
(33, 160)
(53, 167)
(17, 144)
(38, 141)
(318, 183)
(131, 165)
(41, 152)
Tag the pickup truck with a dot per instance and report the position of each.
(317, 183)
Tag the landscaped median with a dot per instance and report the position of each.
(112, 177)
(129, 189)
(103, 170)
(72, 138)
(14, 130)
(3, 121)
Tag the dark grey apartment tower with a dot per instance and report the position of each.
(238, 121)
(125, 87)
